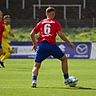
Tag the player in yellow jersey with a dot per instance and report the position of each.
(7, 49)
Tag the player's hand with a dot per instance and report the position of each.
(5, 37)
(34, 47)
(72, 45)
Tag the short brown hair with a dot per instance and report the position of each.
(49, 9)
(6, 16)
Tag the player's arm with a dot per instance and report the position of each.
(4, 36)
(35, 30)
(64, 38)
(33, 38)
(11, 33)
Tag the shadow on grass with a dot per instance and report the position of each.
(81, 88)
(73, 88)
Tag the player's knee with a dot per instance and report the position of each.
(63, 58)
(35, 70)
(10, 50)
(8, 53)
(36, 67)
(1, 51)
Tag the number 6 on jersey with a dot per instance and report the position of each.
(47, 28)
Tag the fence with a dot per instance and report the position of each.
(55, 5)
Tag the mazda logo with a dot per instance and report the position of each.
(82, 49)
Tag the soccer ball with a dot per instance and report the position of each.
(73, 80)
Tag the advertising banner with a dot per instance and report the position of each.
(24, 50)
(82, 50)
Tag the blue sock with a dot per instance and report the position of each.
(66, 76)
(34, 78)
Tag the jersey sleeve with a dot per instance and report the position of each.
(59, 28)
(36, 29)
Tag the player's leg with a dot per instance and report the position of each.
(1, 52)
(5, 56)
(57, 53)
(64, 66)
(35, 71)
(7, 50)
(1, 63)
(1, 56)
(41, 54)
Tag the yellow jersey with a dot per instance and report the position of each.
(5, 42)
(7, 29)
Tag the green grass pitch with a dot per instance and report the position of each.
(15, 79)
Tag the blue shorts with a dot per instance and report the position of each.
(0, 45)
(46, 49)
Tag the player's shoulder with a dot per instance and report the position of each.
(39, 22)
(7, 26)
(56, 20)
(43, 21)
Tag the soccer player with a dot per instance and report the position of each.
(1, 33)
(48, 29)
(7, 49)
